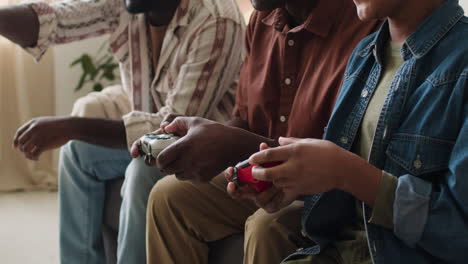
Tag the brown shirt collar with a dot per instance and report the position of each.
(318, 22)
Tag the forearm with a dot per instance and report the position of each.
(19, 24)
(359, 178)
(103, 132)
(244, 144)
(237, 122)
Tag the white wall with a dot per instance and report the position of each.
(67, 78)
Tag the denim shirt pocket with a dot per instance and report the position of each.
(417, 155)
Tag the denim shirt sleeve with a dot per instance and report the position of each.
(427, 213)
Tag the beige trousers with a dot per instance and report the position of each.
(183, 217)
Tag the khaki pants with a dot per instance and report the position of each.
(183, 217)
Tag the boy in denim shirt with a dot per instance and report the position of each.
(396, 143)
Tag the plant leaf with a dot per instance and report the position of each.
(81, 82)
(88, 65)
(76, 61)
(97, 87)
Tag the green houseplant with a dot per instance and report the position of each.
(96, 69)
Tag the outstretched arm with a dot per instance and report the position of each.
(19, 24)
(38, 25)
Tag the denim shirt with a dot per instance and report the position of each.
(421, 138)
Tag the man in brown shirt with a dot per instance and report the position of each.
(296, 56)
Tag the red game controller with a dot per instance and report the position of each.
(243, 175)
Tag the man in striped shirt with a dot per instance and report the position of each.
(175, 57)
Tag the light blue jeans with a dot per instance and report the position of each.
(83, 172)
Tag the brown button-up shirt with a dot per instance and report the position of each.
(291, 76)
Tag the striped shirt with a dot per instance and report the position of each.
(199, 61)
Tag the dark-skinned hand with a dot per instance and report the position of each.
(42, 134)
(205, 149)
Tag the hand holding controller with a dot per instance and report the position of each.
(150, 145)
(243, 175)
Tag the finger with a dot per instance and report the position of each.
(172, 168)
(272, 154)
(169, 118)
(135, 149)
(282, 181)
(263, 198)
(174, 152)
(178, 126)
(35, 153)
(270, 174)
(163, 127)
(29, 145)
(159, 131)
(232, 190)
(283, 141)
(24, 138)
(228, 174)
(244, 192)
(31, 151)
(264, 146)
(19, 133)
(28, 155)
(275, 203)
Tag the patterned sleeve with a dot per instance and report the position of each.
(72, 20)
(210, 67)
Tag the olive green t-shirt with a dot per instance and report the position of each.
(352, 247)
(382, 212)
(356, 250)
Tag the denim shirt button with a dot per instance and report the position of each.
(364, 93)
(344, 140)
(417, 164)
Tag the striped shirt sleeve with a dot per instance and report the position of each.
(72, 20)
(211, 66)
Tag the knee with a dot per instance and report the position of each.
(77, 150)
(139, 179)
(261, 225)
(72, 153)
(78, 156)
(166, 196)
